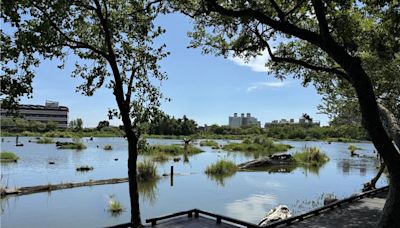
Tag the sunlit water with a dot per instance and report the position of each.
(246, 195)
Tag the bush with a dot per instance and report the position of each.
(7, 156)
(257, 144)
(45, 141)
(146, 170)
(311, 156)
(211, 143)
(108, 147)
(221, 167)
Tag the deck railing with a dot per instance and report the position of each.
(219, 218)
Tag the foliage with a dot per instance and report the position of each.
(108, 147)
(211, 143)
(221, 167)
(76, 145)
(311, 156)
(102, 124)
(76, 125)
(7, 156)
(146, 170)
(45, 141)
(352, 148)
(165, 125)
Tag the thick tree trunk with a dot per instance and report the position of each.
(382, 142)
(133, 183)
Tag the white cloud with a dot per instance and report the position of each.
(255, 207)
(266, 85)
(256, 64)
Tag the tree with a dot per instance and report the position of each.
(79, 124)
(102, 124)
(113, 41)
(51, 125)
(319, 41)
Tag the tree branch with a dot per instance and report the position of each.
(320, 13)
(281, 14)
(284, 27)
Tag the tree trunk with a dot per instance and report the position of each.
(133, 183)
(382, 142)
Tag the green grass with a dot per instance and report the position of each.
(352, 148)
(221, 167)
(45, 140)
(107, 147)
(211, 143)
(7, 156)
(311, 156)
(84, 168)
(169, 150)
(114, 206)
(73, 146)
(146, 170)
(257, 144)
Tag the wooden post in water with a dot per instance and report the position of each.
(16, 140)
(172, 175)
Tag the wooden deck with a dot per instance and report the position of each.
(360, 210)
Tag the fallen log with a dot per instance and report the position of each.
(274, 160)
(54, 187)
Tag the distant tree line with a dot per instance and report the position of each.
(167, 125)
(19, 125)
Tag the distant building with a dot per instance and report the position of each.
(302, 121)
(51, 111)
(239, 121)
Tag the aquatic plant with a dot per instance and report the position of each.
(146, 170)
(312, 156)
(221, 167)
(45, 140)
(257, 144)
(108, 147)
(170, 150)
(211, 143)
(76, 144)
(352, 148)
(114, 206)
(7, 156)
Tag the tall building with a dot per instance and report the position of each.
(238, 121)
(302, 122)
(51, 111)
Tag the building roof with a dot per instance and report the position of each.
(43, 107)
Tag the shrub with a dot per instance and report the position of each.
(108, 147)
(45, 140)
(211, 143)
(221, 167)
(146, 170)
(7, 156)
(170, 150)
(352, 148)
(257, 144)
(311, 156)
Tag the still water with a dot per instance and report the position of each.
(245, 195)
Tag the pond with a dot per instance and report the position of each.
(245, 195)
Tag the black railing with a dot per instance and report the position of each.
(219, 218)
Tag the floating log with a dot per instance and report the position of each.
(274, 160)
(53, 187)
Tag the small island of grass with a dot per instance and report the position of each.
(7, 156)
(114, 206)
(107, 147)
(258, 144)
(210, 143)
(311, 156)
(45, 140)
(221, 167)
(169, 150)
(146, 170)
(71, 145)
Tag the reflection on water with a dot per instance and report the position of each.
(220, 178)
(148, 190)
(245, 195)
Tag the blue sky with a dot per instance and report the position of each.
(205, 88)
